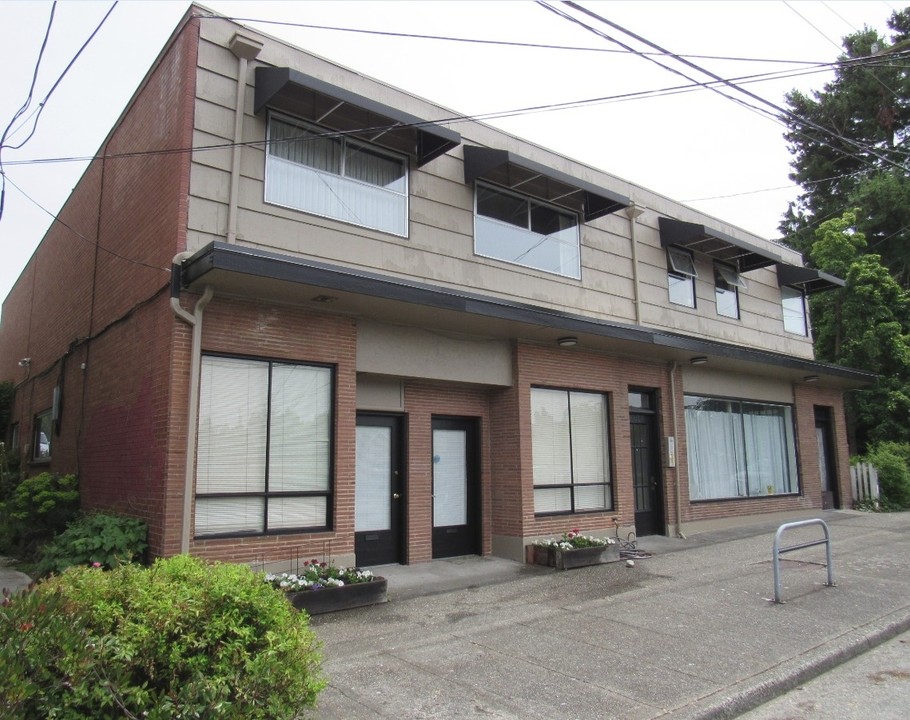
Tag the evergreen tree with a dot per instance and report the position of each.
(850, 149)
(864, 325)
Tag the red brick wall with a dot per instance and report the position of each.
(580, 370)
(95, 293)
(285, 333)
(423, 401)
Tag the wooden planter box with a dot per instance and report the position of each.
(317, 602)
(575, 557)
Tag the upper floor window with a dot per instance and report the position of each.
(793, 302)
(726, 290)
(325, 173)
(571, 452)
(681, 276)
(43, 429)
(263, 460)
(516, 229)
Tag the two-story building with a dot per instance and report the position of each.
(290, 311)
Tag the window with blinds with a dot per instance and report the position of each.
(263, 461)
(571, 452)
(325, 173)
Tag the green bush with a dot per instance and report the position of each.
(109, 540)
(893, 463)
(40, 507)
(182, 639)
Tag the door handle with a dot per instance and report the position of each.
(395, 496)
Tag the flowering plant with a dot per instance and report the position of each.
(574, 539)
(318, 576)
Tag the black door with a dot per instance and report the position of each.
(826, 465)
(378, 496)
(646, 470)
(455, 488)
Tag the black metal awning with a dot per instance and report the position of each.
(309, 98)
(535, 180)
(809, 279)
(717, 245)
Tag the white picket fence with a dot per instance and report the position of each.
(864, 479)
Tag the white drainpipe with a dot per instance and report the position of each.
(193, 319)
(246, 49)
(633, 212)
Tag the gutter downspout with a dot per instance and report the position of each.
(246, 49)
(195, 321)
(672, 370)
(633, 212)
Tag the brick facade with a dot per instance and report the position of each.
(92, 311)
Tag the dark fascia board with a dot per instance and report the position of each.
(248, 261)
(282, 88)
(809, 279)
(483, 163)
(716, 244)
(735, 352)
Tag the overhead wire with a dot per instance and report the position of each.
(778, 110)
(79, 235)
(25, 105)
(50, 92)
(695, 84)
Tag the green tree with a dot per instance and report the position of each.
(849, 146)
(864, 325)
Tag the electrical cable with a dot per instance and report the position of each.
(779, 110)
(25, 105)
(43, 103)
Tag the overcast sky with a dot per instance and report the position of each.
(695, 147)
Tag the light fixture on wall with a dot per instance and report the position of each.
(567, 341)
(699, 360)
(810, 378)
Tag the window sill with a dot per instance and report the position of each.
(737, 498)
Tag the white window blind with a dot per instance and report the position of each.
(313, 170)
(373, 486)
(264, 446)
(570, 451)
(450, 478)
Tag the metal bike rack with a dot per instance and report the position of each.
(778, 551)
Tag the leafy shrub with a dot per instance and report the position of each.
(40, 507)
(109, 540)
(183, 638)
(893, 463)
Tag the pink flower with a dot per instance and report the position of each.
(96, 564)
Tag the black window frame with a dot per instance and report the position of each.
(43, 424)
(609, 484)
(681, 275)
(329, 493)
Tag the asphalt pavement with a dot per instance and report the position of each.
(690, 632)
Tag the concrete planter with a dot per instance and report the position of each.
(317, 602)
(575, 557)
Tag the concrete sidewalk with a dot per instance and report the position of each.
(688, 633)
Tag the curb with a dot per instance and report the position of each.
(750, 693)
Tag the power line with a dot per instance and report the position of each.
(502, 43)
(79, 235)
(28, 101)
(50, 92)
(733, 86)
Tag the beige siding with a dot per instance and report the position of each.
(439, 245)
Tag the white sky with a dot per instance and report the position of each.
(694, 147)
